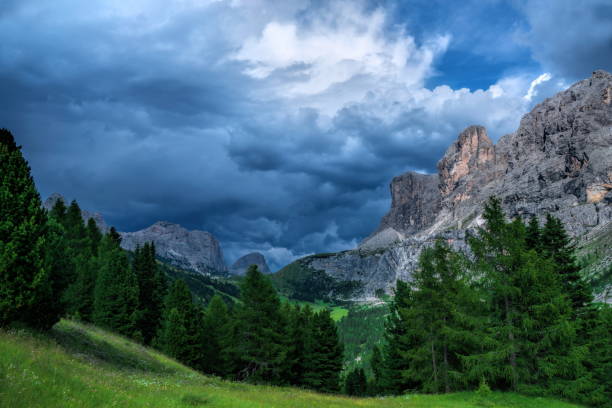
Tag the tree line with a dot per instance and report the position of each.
(514, 315)
(53, 265)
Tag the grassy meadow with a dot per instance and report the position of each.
(80, 366)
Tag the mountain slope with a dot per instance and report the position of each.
(83, 366)
(559, 161)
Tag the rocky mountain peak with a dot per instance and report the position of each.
(254, 258)
(558, 162)
(50, 202)
(194, 250)
(472, 152)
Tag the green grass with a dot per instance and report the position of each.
(81, 366)
(337, 311)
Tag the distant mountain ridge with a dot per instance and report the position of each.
(559, 161)
(192, 250)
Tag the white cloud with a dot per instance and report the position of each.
(341, 44)
(532, 87)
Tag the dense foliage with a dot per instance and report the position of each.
(516, 315)
(54, 264)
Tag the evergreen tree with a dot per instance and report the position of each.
(397, 342)
(260, 341)
(151, 290)
(533, 238)
(439, 321)
(94, 236)
(217, 338)
(377, 365)
(25, 284)
(58, 265)
(324, 356)
(557, 246)
(116, 290)
(182, 316)
(355, 383)
(530, 341)
(300, 335)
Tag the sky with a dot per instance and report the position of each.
(275, 125)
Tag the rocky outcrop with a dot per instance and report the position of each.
(254, 258)
(193, 250)
(559, 161)
(97, 217)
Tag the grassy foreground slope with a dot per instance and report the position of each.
(82, 366)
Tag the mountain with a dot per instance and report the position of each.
(197, 251)
(192, 250)
(558, 161)
(49, 203)
(254, 258)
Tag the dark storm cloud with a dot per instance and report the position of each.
(143, 111)
(570, 38)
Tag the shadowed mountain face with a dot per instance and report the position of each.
(97, 217)
(254, 258)
(192, 250)
(559, 161)
(197, 251)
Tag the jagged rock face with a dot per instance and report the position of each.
(193, 250)
(466, 161)
(97, 217)
(254, 258)
(415, 202)
(559, 161)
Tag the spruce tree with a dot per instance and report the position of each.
(324, 356)
(533, 238)
(355, 383)
(116, 290)
(397, 342)
(260, 341)
(94, 236)
(440, 322)
(183, 316)
(151, 291)
(25, 284)
(300, 335)
(530, 338)
(557, 246)
(217, 338)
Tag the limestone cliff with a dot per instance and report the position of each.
(192, 250)
(86, 215)
(254, 258)
(559, 161)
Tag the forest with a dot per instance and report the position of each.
(514, 314)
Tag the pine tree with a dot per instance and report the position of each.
(355, 383)
(324, 356)
(116, 290)
(94, 236)
(533, 239)
(217, 338)
(530, 341)
(300, 335)
(25, 284)
(377, 365)
(439, 321)
(397, 343)
(151, 290)
(260, 341)
(182, 316)
(557, 246)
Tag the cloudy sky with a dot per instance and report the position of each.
(275, 125)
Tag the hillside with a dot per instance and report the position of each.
(82, 366)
